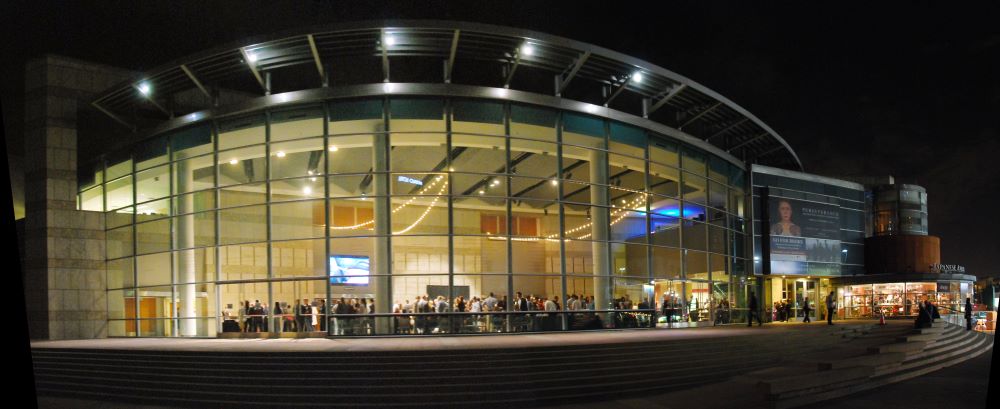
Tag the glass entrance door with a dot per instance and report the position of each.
(805, 291)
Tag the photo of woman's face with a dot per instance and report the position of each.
(785, 209)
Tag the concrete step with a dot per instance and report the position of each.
(919, 337)
(898, 347)
(812, 382)
(873, 360)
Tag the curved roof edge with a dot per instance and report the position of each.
(122, 89)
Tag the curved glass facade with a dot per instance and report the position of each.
(380, 201)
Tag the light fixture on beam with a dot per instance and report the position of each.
(527, 49)
(145, 88)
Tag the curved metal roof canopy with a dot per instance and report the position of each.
(451, 52)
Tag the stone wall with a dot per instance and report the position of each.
(65, 288)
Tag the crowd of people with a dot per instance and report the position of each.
(424, 314)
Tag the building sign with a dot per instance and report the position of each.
(947, 269)
(411, 181)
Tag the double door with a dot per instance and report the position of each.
(799, 292)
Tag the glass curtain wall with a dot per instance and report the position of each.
(416, 216)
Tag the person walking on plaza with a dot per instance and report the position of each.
(806, 310)
(968, 314)
(831, 308)
(752, 307)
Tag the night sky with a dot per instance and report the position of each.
(906, 89)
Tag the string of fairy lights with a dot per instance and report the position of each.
(617, 215)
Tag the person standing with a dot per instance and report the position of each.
(752, 307)
(831, 308)
(805, 310)
(968, 314)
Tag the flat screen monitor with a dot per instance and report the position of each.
(349, 270)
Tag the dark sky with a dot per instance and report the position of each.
(856, 88)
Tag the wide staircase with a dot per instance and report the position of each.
(538, 376)
(912, 353)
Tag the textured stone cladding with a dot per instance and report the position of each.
(65, 288)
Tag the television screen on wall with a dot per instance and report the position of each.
(349, 270)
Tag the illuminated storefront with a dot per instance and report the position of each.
(877, 295)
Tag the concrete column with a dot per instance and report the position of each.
(64, 258)
(184, 235)
(599, 226)
(380, 280)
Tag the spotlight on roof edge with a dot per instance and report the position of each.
(145, 88)
(251, 57)
(527, 49)
(637, 77)
(389, 40)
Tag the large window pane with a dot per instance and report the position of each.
(533, 123)
(665, 230)
(695, 235)
(92, 199)
(666, 262)
(194, 202)
(119, 242)
(533, 188)
(418, 152)
(153, 236)
(533, 158)
(194, 265)
(242, 166)
(153, 269)
(583, 130)
(420, 215)
(297, 189)
(117, 169)
(191, 142)
(297, 220)
(664, 180)
(151, 152)
(298, 258)
(420, 255)
(241, 195)
(352, 217)
(480, 255)
(350, 154)
(628, 140)
(194, 174)
(243, 262)
(243, 224)
(717, 196)
(155, 311)
(628, 225)
(241, 132)
(152, 184)
(298, 158)
(696, 265)
(119, 193)
(629, 260)
(416, 115)
(694, 188)
(296, 123)
(480, 154)
(120, 273)
(693, 161)
(479, 117)
(352, 117)
(485, 216)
